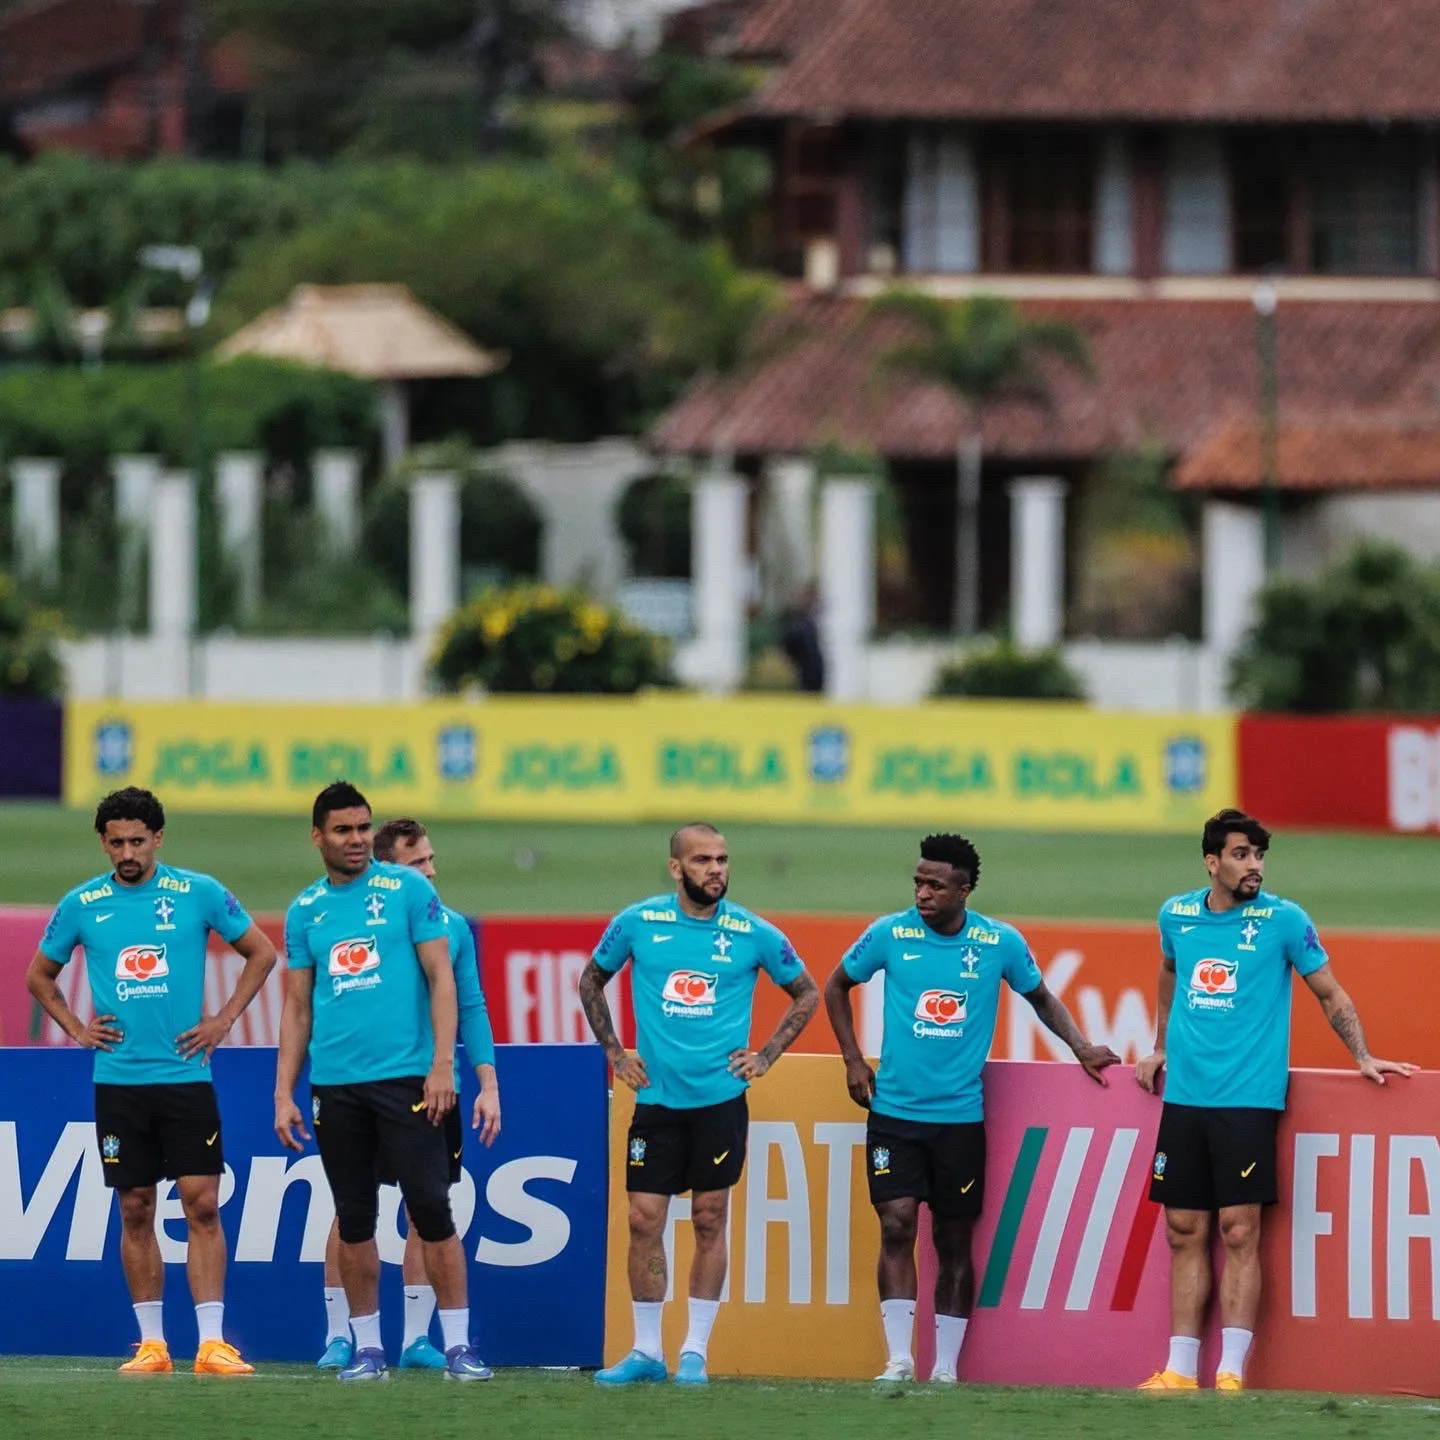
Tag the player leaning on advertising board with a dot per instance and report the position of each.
(145, 928)
(943, 965)
(694, 957)
(1222, 1038)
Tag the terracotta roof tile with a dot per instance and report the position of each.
(1142, 60)
(1339, 450)
(1167, 372)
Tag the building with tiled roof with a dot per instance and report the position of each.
(1154, 174)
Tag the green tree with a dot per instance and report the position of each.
(982, 350)
(1363, 635)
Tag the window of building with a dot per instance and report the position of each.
(1039, 201)
(1263, 171)
(1364, 206)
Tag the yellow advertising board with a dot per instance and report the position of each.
(661, 757)
(800, 1295)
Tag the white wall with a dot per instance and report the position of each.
(1325, 530)
(1178, 676)
(1196, 239)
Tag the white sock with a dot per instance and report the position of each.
(1184, 1356)
(337, 1314)
(898, 1318)
(949, 1337)
(1234, 1347)
(419, 1307)
(210, 1320)
(454, 1328)
(702, 1321)
(367, 1331)
(150, 1316)
(647, 1327)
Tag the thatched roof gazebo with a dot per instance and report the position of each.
(374, 332)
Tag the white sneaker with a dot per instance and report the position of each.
(896, 1372)
(944, 1377)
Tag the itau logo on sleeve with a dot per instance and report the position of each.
(140, 970)
(689, 994)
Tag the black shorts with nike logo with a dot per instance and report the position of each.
(942, 1164)
(1209, 1158)
(669, 1151)
(149, 1133)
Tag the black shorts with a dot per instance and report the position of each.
(670, 1151)
(1208, 1159)
(149, 1133)
(944, 1165)
(454, 1132)
(378, 1128)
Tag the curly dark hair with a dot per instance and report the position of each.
(338, 795)
(953, 850)
(131, 803)
(1232, 822)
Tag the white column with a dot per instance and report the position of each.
(37, 517)
(1037, 561)
(1114, 208)
(394, 411)
(847, 584)
(337, 497)
(1233, 539)
(434, 551)
(238, 495)
(720, 565)
(135, 477)
(788, 536)
(173, 559)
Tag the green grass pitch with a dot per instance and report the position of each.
(539, 868)
(46, 1398)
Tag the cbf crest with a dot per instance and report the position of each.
(1161, 1161)
(110, 1149)
(880, 1159)
(637, 1151)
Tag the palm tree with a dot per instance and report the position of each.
(981, 350)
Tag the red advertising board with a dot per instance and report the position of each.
(1367, 773)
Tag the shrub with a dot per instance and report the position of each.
(1363, 635)
(532, 639)
(654, 518)
(500, 526)
(1008, 673)
(29, 664)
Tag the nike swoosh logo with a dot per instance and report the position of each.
(455, 1156)
(1186, 929)
(213, 1138)
(416, 1109)
(966, 1189)
(661, 939)
(721, 1156)
(912, 955)
(316, 919)
(101, 919)
(1245, 1173)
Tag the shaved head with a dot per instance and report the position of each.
(685, 833)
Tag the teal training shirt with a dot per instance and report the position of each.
(942, 996)
(372, 1002)
(693, 984)
(1228, 1040)
(145, 953)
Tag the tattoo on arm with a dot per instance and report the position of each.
(1345, 1022)
(597, 1008)
(804, 999)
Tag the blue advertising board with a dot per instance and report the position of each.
(531, 1212)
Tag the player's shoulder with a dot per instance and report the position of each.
(654, 910)
(386, 875)
(741, 921)
(1266, 906)
(87, 892)
(1185, 906)
(982, 927)
(177, 878)
(309, 895)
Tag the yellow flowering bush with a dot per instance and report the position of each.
(535, 638)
